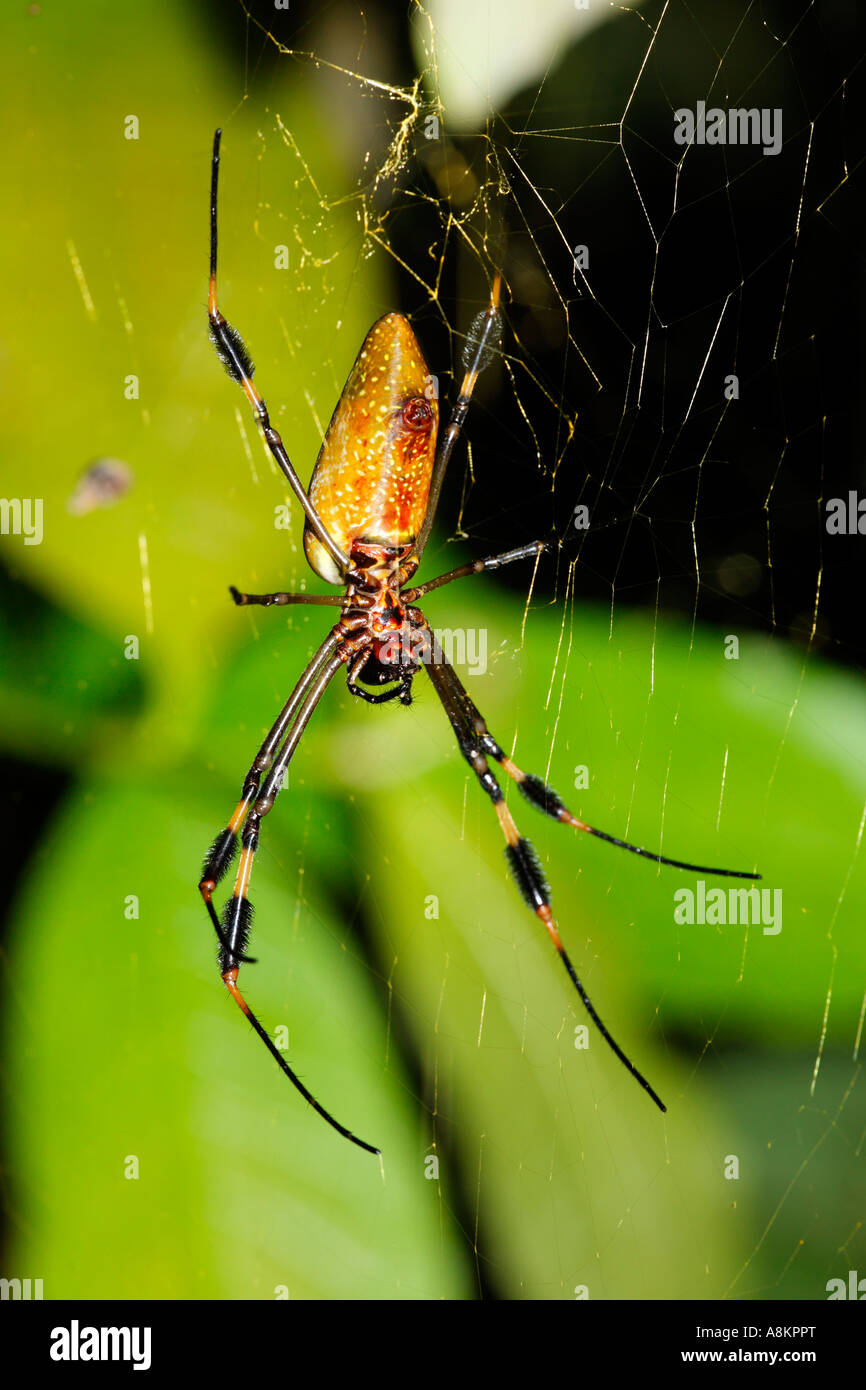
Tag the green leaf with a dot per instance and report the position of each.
(159, 1152)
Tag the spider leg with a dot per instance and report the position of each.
(280, 599)
(233, 354)
(522, 858)
(293, 1077)
(482, 344)
(545, 799)
(493, 562)
(238, 912)
(221, 854)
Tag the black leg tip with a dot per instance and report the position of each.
(237, 596)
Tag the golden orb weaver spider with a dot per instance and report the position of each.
(369, 512)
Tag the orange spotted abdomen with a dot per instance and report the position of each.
(372, 477)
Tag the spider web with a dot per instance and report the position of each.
(671, 411)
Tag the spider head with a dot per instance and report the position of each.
(393, 660)
(374, 672)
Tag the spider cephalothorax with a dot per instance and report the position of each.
(369, 511)
(384, 640)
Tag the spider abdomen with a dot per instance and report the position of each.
(372, 477)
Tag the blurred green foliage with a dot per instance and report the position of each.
(450, 1035)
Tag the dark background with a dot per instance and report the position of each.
(787, 249)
